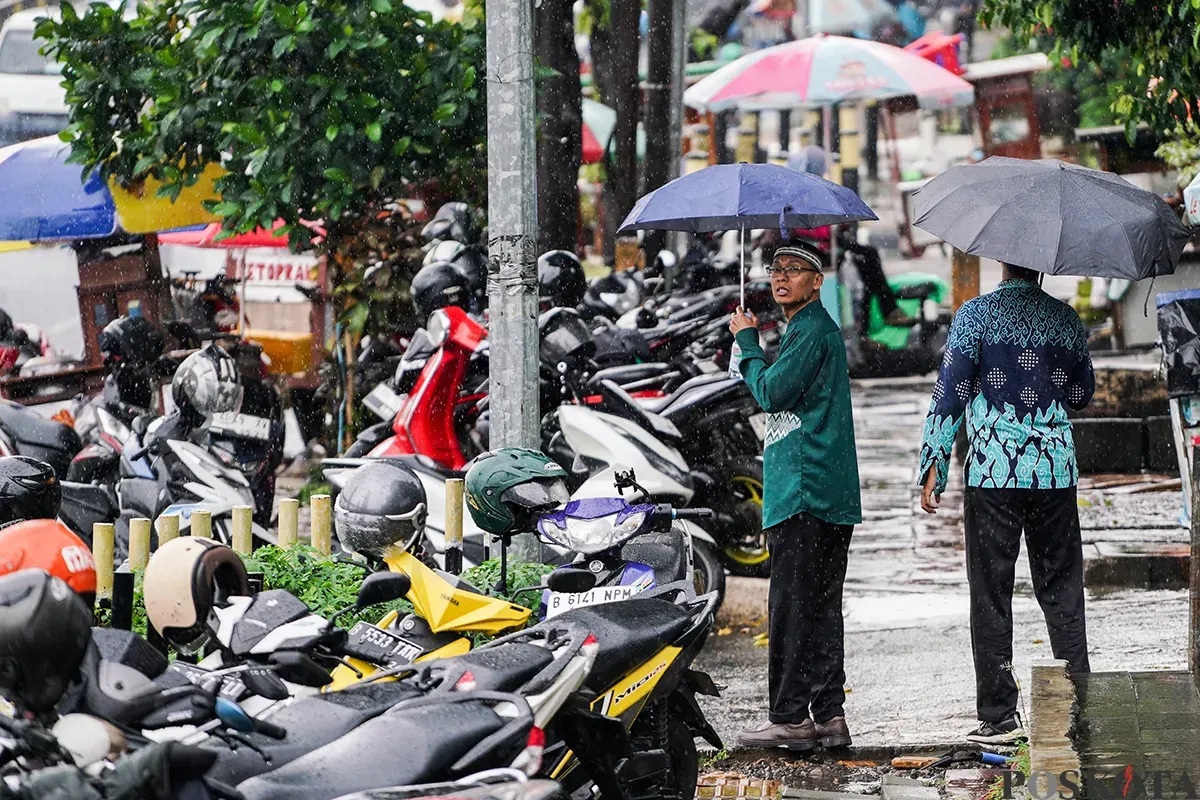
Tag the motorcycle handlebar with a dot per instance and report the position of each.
(692, 513)
(269, 729)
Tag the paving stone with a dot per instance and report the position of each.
(810, 794)
(1171, 736)
(970, 784)
(895, 787)
(1162, 722)
(1104, 689)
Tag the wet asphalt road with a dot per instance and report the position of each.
(908, 658)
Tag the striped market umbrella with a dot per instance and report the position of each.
(824, 71)
(45, 199)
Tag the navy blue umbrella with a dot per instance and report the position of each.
(745, 197)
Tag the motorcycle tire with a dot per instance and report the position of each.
(744, 547)
(685, 761)
(710, 572)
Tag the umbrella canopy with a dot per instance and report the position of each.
(827, 70)
(1053, 217)
(48, 199)
(847, 16)
(747, 196)
(599, 121)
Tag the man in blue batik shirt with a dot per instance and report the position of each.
(1015, 360)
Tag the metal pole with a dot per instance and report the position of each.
(512, 232)
(678, 79)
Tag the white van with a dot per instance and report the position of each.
(32, 103)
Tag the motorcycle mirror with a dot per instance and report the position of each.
(570, 581)
(232, 716)
(382, 587)
(299, 668)
(263, 682)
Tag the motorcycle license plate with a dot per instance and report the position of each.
(383, 402)
(565, 601)
(375, 645)
(245, 426)
(759, 423)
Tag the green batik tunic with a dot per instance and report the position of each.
(809, 460)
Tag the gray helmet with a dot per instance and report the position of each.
(381, 504)
(207, 383)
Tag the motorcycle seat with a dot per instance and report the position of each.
(618, 403)
(504, 669)
(50, 441)
(660, 405)
(629, 632)
(665, 553)
(400, 748)
(918, 291)
(422, 463)
(311, 723)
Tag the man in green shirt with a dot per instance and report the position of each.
(810, 504)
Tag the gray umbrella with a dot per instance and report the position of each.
(1053, 217)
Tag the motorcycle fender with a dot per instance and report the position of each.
(684, 706)
(697, 532)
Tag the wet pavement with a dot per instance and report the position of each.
(1133, 725)
(908, 657)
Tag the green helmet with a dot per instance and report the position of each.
(505, 486)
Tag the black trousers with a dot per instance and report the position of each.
(808, 568)
(994, 520)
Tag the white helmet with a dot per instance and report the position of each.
(446, 250)
(185, 579)
(207, 382)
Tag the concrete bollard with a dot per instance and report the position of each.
(454, 525)
(202, 524)
(139, 543)
(104, 536)
(243, 529)
(168, 528)
(322, 523)
(289, 522)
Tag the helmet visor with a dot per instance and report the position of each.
(537, 494)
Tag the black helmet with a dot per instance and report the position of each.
(45, 629)
(565, 336)
(473, 264)
(452, 221)
(561, 281)
(207, 382)
(132, 340)
(29, 489)
(439, 285)
(6, 324)
(381, 504)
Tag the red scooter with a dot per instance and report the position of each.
(424, 424)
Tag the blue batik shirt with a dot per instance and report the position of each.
(1015, 360)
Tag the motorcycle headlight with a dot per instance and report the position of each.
(593, 535)
(438, 328)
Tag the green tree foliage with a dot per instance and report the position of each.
(318, 110)
(1159, 38)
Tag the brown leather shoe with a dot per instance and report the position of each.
(833, 733)
(799, 738)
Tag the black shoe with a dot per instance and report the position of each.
(1005, 732)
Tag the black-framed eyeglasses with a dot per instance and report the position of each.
(789, 270)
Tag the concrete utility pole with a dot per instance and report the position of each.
(512, 233)
(660, 133)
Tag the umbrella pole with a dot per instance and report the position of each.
(742, 267)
